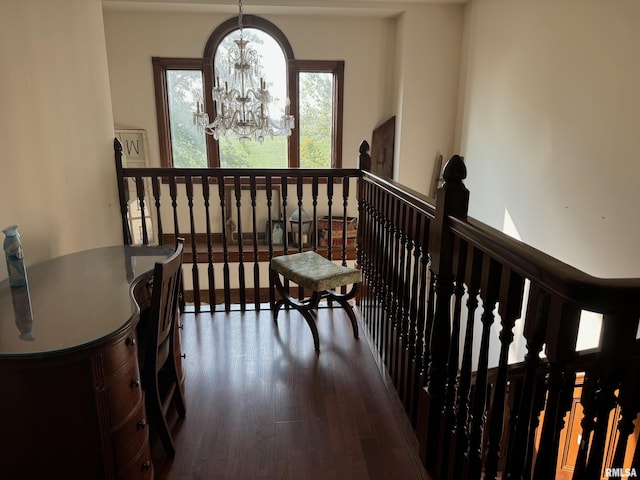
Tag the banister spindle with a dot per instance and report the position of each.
(155, 186)
(237, 187)
(629, 401)
(254, 223)
(206, 193)
(413, 369)
(534, 329)
(617, 344)
(269, 229)
(472, 276)
(510, 307)
(314, 203)
(225, 244)
(194, 251)
(173, 193)
(561, 337)
(489, 293)
(141, 193)
(448, 412)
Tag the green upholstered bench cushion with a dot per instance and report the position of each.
(313, 271)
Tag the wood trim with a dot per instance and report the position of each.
(160, 67)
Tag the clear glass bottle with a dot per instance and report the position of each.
(15, 258)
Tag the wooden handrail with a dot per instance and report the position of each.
(601, 295)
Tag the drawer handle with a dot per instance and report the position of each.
(130, 341)
(142, 423)
(146, 466)
(135, 383)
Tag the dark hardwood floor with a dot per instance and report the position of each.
(261, 404)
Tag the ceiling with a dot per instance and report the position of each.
(379, 8)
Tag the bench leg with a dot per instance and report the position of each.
(343, 301)
(305, 307)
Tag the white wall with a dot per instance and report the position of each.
(549, 126)
(56, 128)
(428, 61)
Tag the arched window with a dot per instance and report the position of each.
(313, 88)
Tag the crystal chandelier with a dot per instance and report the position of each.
(242, 100)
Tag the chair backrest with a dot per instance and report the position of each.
(165, 308)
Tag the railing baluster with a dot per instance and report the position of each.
(412, 377)
(534, 330)
(617, 345)
(448, 412)
(225, 244)
(269, 230)
(489, 291)
(587, 400)
(173, 193)
(155, 184)
(561, 336)
(345, 240)
(473, 272)
(314, 197)
(629, 409)
(194, 250)
(237, 187)
(510, 307)
(330, 215)
(401, 310)
(285, 227)
(392, 254)
(210, 270)
(141, 193)
(256, 266)
(298, 234)
(405, 341)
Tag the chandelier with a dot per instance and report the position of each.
(242, 100)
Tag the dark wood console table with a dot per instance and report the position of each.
(71, 403)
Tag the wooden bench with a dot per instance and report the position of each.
(314, 272)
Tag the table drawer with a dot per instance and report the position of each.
(124, 393)
(130, 440)
(121, 352)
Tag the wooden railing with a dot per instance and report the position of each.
(436, 282)
(226, 216)
(442, 297)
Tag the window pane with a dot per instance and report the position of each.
(316, 119)
(188, 145)
(273, 153)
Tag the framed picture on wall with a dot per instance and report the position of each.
(134, 147)
(382, 144)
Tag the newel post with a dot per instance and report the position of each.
(122, 191)
(364, 159)
(452, 200)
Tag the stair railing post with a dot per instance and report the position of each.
(122, 191)
(452, 200)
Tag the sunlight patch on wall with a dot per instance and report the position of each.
(589, 330)
(509, 226)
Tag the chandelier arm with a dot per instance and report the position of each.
(242, 105)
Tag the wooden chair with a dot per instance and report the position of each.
(159, 373)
